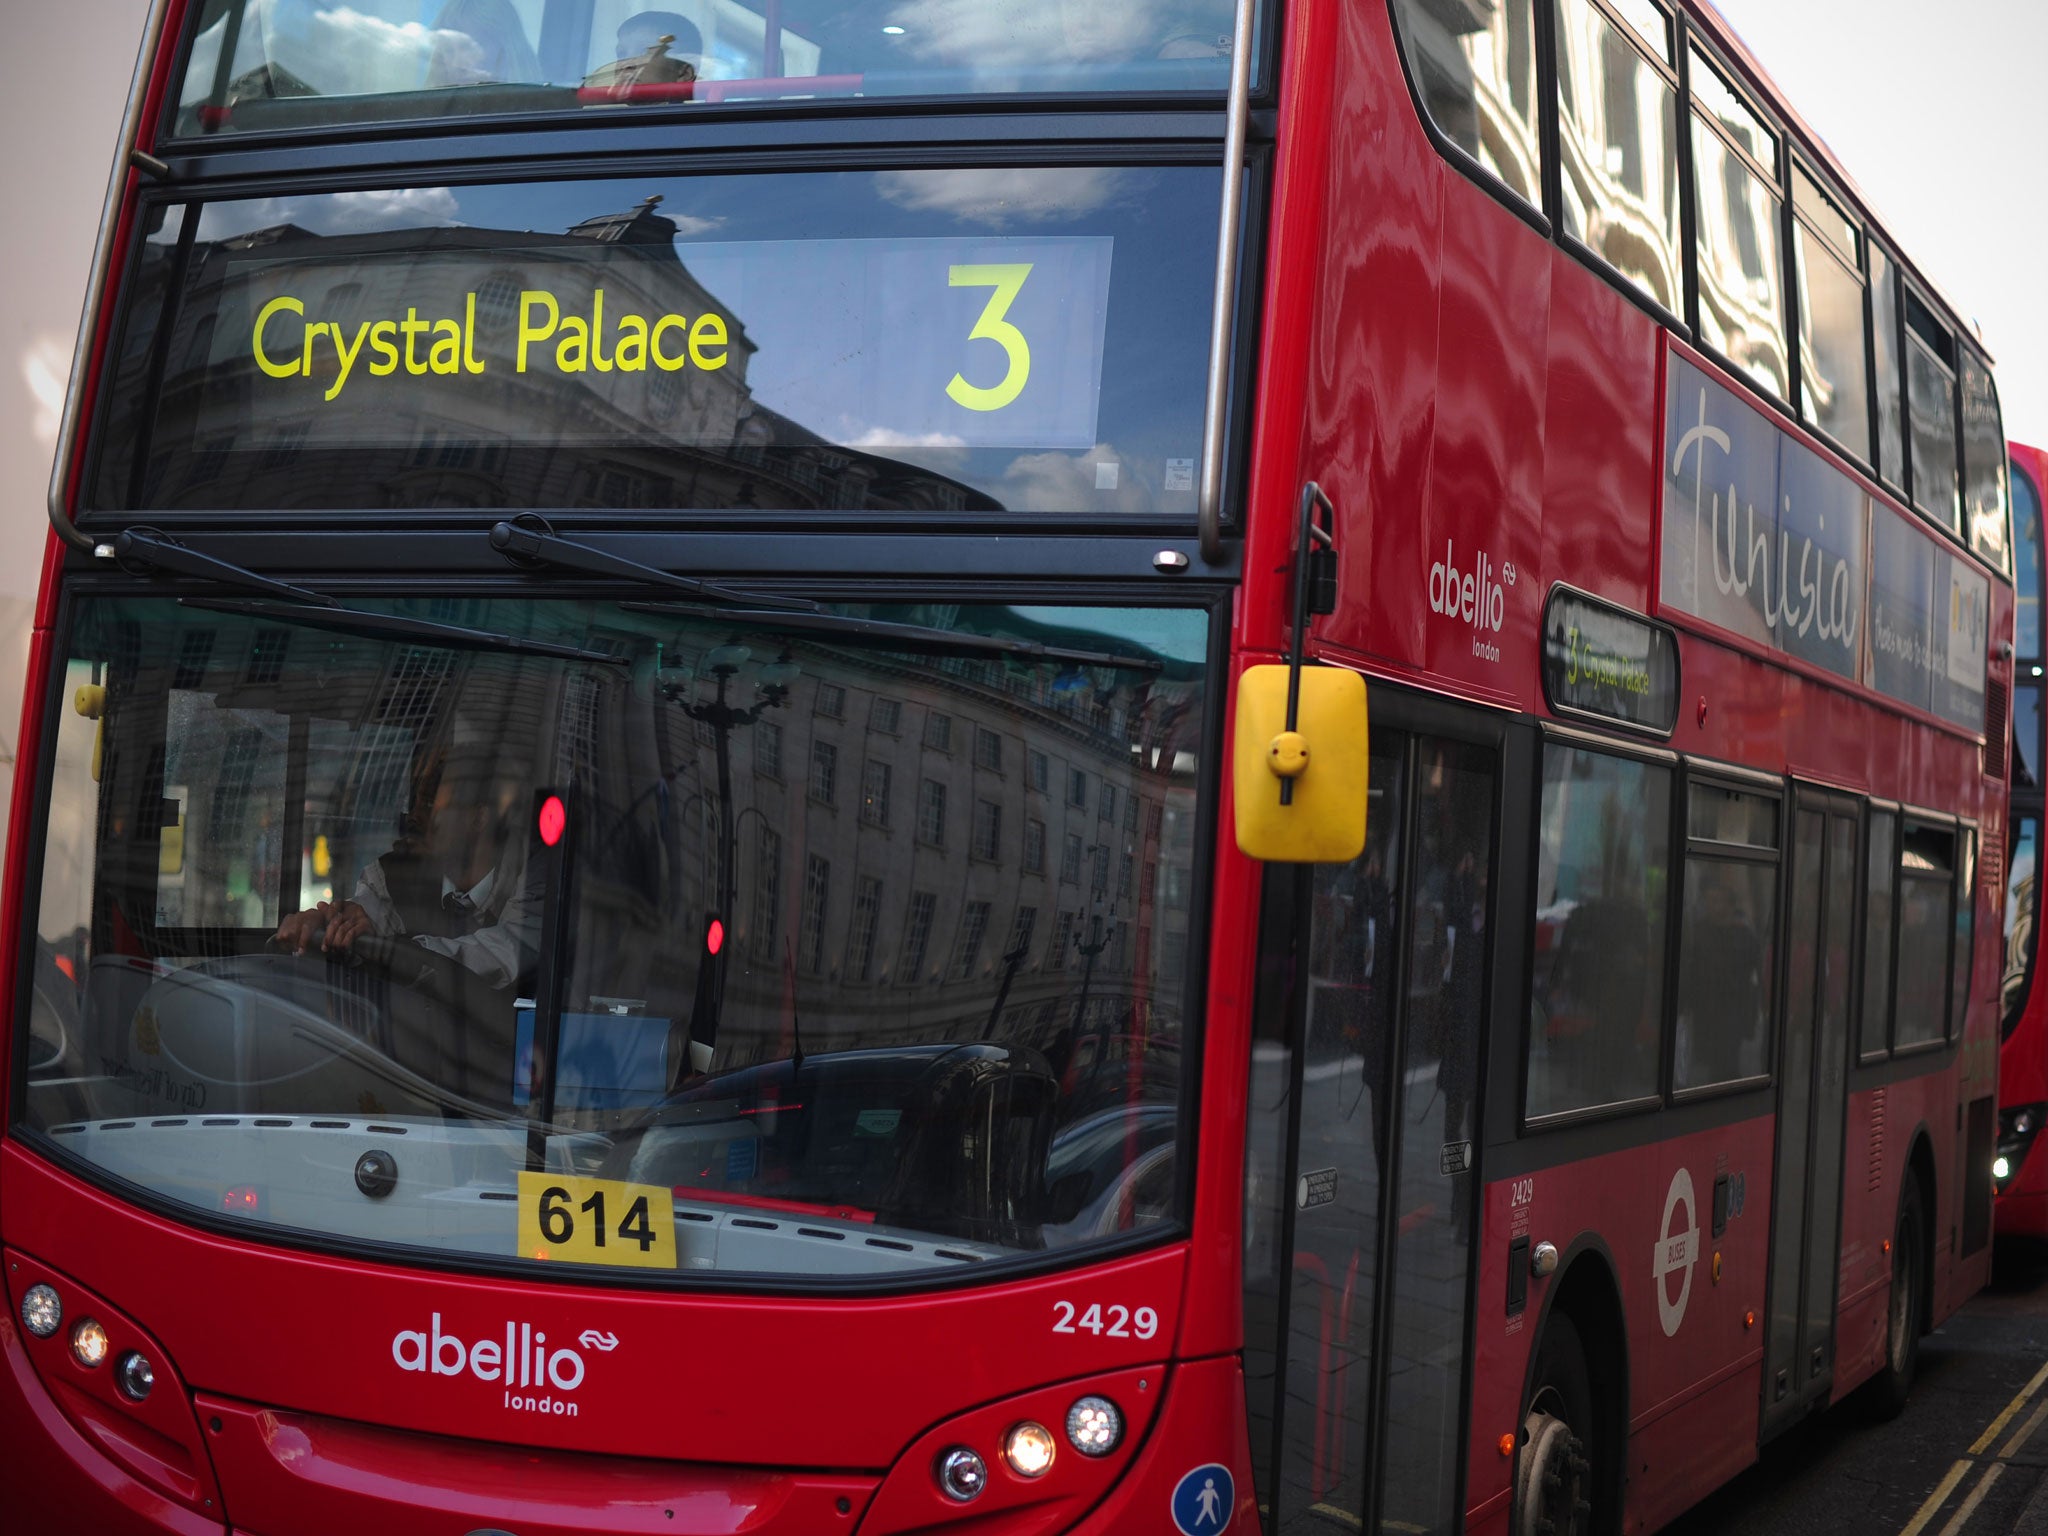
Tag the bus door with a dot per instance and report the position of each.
(1813, 1072)
(1366, 1079)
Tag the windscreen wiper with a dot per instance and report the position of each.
(150, 549)
(908, 637)
(528, 540)
(353, 621)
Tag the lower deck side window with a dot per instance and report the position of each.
(1603, 890)
(1727, 949)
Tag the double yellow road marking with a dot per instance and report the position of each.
(1996, 1469)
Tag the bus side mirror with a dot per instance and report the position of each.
(1324, 757)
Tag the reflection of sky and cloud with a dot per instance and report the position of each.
(290, 55)
(852, 318)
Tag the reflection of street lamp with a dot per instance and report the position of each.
(1011, 962)
(1097, 941)
(679, 686)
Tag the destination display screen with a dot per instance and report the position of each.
(1604, 661)
(1764, 538)
(980, 341)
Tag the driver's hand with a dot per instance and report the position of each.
(346, 922)
(298, 929)
(343, 920)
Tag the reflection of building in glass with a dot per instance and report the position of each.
(1741, 278)
(891, 816)
(1617, 142)
(605, 436)
(1475, 66)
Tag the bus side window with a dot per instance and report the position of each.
(1727, 950)
(1602, 894)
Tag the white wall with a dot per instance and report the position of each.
(61, 120)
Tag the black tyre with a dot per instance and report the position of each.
(1885, 1397)
(1555, 1475)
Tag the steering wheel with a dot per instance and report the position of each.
(434, 975)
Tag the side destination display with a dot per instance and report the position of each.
(1764, 538)
(1604, 661)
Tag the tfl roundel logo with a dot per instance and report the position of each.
(1202, 1501)
(1678, 1243)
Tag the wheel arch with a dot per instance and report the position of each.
(1586, 1287)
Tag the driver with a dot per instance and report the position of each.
(454, 883)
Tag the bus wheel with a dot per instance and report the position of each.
(1554, 1478)
(1886, 1395)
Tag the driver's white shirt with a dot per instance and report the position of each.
(504, 938)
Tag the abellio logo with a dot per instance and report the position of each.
(1477, 597)
(522, 1362)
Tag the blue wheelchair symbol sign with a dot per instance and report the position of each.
(1202, 1501)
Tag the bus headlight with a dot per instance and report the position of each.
(962, 1474)
(41, 1310)
(134, 1375)
(1094, 1426)
(1028, 1448)
(2017, 1128)
(88, 1343)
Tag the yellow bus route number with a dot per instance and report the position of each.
(596, 1221)
(1007, 279)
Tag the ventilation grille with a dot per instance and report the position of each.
(1995, 729)
(1877, 1139)
(1991, 865)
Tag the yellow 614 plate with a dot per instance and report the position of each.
(596, 1221)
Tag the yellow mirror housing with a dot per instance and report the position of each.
(1324, 757)
(90, 701)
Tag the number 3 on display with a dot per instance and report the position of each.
(1007, 280)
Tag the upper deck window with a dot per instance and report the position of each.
(955, 342)
(1884, 351)
(1741, 274)
(1618, 144)
(1833, 362)
(258, 65)
(1931, 395)
(1984, 500)
(1475, 68)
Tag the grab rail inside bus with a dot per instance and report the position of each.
(130, 156)
(1229, 226)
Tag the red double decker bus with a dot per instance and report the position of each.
(627, 919)
(2022, 1179)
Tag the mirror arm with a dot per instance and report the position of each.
(1315, 592)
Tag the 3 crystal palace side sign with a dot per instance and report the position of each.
(1764, 538)
(1606, 662)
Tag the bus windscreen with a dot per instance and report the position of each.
(258, 65)
(800, 953)
(966, 342)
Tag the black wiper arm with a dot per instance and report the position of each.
(909, 637)
(151, 550)
(527, 540)
(353, 621)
